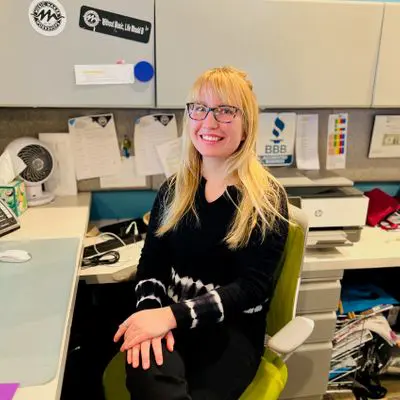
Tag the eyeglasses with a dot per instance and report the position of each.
(223, 114)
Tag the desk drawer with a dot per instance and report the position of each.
(317, 297)
(324, 327)
(308, 370)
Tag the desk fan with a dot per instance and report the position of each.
(39, 167)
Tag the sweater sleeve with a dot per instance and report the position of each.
(259, 263)
(154, 267)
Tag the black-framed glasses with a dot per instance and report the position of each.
(224, 114)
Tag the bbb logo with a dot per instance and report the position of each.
(277, 147)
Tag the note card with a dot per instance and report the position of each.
(7, 390)
(385, 142)
(336, 147)
(95, 146)
(113, 74)
(307, 142)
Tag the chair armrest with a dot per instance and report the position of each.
(291, 336)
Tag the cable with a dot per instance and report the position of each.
(113, 256)
(135, 229)
(109, 234)
(110, 257)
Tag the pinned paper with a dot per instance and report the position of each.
(113, 74)
(62, 181)
(95, 146)
(307, 142)
(275, 144)
(150, 132)
(126, 177)
(385, 142)
(170, 154)
(8, 390)
(336, 148)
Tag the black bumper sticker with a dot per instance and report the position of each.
(109, 23)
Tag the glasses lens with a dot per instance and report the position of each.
(197, 111)
(225, 114)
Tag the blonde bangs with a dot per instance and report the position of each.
(220, 85)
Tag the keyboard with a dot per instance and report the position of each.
(108, 245)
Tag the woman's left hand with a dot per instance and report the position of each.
(145, 325)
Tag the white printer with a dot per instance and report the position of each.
(336, 210)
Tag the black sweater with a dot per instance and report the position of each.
(192, 269)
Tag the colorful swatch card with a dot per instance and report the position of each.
(337, 141)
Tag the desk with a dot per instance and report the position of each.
(65, 217)
(124, 270)
(68, 217)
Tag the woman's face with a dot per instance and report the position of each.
(215, 137)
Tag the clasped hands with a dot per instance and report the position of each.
(144, 330)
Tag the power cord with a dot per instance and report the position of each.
(110, 257)
(113, 256)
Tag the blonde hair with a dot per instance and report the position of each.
(260, 193)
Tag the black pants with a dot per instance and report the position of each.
(213, 364)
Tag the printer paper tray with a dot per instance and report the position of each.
(323, 239)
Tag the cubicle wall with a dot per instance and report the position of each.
(41, 45)
(328, 61)
(17, 122)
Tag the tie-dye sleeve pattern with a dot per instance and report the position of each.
(154, 267)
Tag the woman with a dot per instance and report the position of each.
(211, 257)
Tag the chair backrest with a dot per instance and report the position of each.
(284, 301)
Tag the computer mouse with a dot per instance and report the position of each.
(15, 256)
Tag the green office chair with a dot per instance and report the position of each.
(285, 332)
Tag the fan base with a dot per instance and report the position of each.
(44, 198)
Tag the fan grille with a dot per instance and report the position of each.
(39, 163)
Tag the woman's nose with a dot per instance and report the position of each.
(210, 120)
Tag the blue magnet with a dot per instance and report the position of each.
(143, 71)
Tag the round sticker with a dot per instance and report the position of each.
(47, 17)
(143, 71)
(91, 18)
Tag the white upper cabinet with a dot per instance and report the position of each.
(387, 85)
(297, 53)
(42, 41)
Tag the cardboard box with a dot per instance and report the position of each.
(14, 195)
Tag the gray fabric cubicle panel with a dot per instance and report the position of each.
(38, 70)
(17, 122)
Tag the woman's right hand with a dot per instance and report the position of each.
(142, 351)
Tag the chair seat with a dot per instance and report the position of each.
(268, 383)
(114, 379)
(270, 379)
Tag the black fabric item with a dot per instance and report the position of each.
(212, 364)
